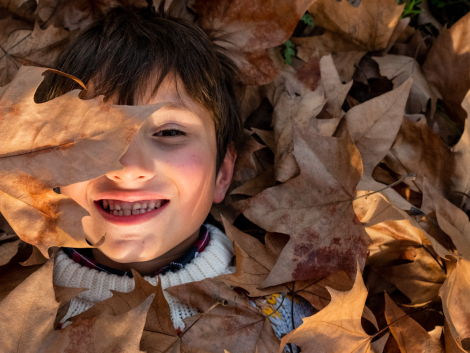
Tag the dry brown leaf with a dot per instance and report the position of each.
(419, 280)
(8, 250)
(335, 90)
(454, 292)
(379, 215)
(302, 99)
(373, 126)
(64, 294)
(346, 63)
(255, 261)
(28, 313)
(446, 67)
(418, 150)
(105, 333)
(410, 336)
(345, 53)
(22, 8)
(336, 328)
(397, 237)
(399, 68)
(54, 151)
(401, 30)
(258, 184)
(159, 333)
(378, 345)
(351, 31)
(315, 209)
(245, 166)
(13, 275)
(77, 14)
(224, 325)
(36, 258)
(36, 47)
(267, 137)
(451, 345)
(461, 151)
(251, 27)
(369, 26)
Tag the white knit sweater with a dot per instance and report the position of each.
(213, 261)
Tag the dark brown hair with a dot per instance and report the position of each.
(130, 48)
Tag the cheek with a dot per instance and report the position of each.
(194, 174)
(77, 192)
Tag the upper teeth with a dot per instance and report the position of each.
(128, 208)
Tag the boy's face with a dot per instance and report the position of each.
(171, 161)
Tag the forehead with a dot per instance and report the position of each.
(172, 90)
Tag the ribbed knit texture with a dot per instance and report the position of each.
(212, 262)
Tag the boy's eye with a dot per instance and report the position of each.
(169, 132)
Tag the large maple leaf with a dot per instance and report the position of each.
(50, 145)
(255, 261)
(410, 336)
(374, 126)
(77, 14)
(250, 28)
(396, 237)
(159, 334)
(418, 150)
(313, 89)
(315, 210)
(337, 328)
(370, 25)
(105, 333)
(28, 313)
(221, 326)
(461, 153)
(454, 292)
(351, 31)
(26, 46)
(446, 66)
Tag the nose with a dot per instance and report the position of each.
(138, 166)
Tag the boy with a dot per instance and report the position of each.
(179, 163)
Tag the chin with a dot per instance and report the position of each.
(126, 251)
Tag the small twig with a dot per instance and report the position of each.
(292, 306)
(411, 176)
(275, 311)
(394, 322)
(292, 313)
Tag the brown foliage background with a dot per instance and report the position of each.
(351, 189)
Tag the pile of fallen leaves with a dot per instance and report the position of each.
(351, 190)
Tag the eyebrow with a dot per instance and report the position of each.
(179, 107)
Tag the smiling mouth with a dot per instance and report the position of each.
(121, 208)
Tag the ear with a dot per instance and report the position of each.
(224, 177)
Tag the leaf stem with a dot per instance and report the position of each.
(411, 175)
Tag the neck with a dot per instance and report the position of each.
(148, 268)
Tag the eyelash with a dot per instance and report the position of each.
(167, 130)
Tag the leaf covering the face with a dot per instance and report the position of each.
(54, 150)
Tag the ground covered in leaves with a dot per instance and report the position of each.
(351, 191)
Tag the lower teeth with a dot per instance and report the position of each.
(130, 212)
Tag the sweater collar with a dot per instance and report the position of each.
(85, 258)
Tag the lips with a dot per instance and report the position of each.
(130, 213)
